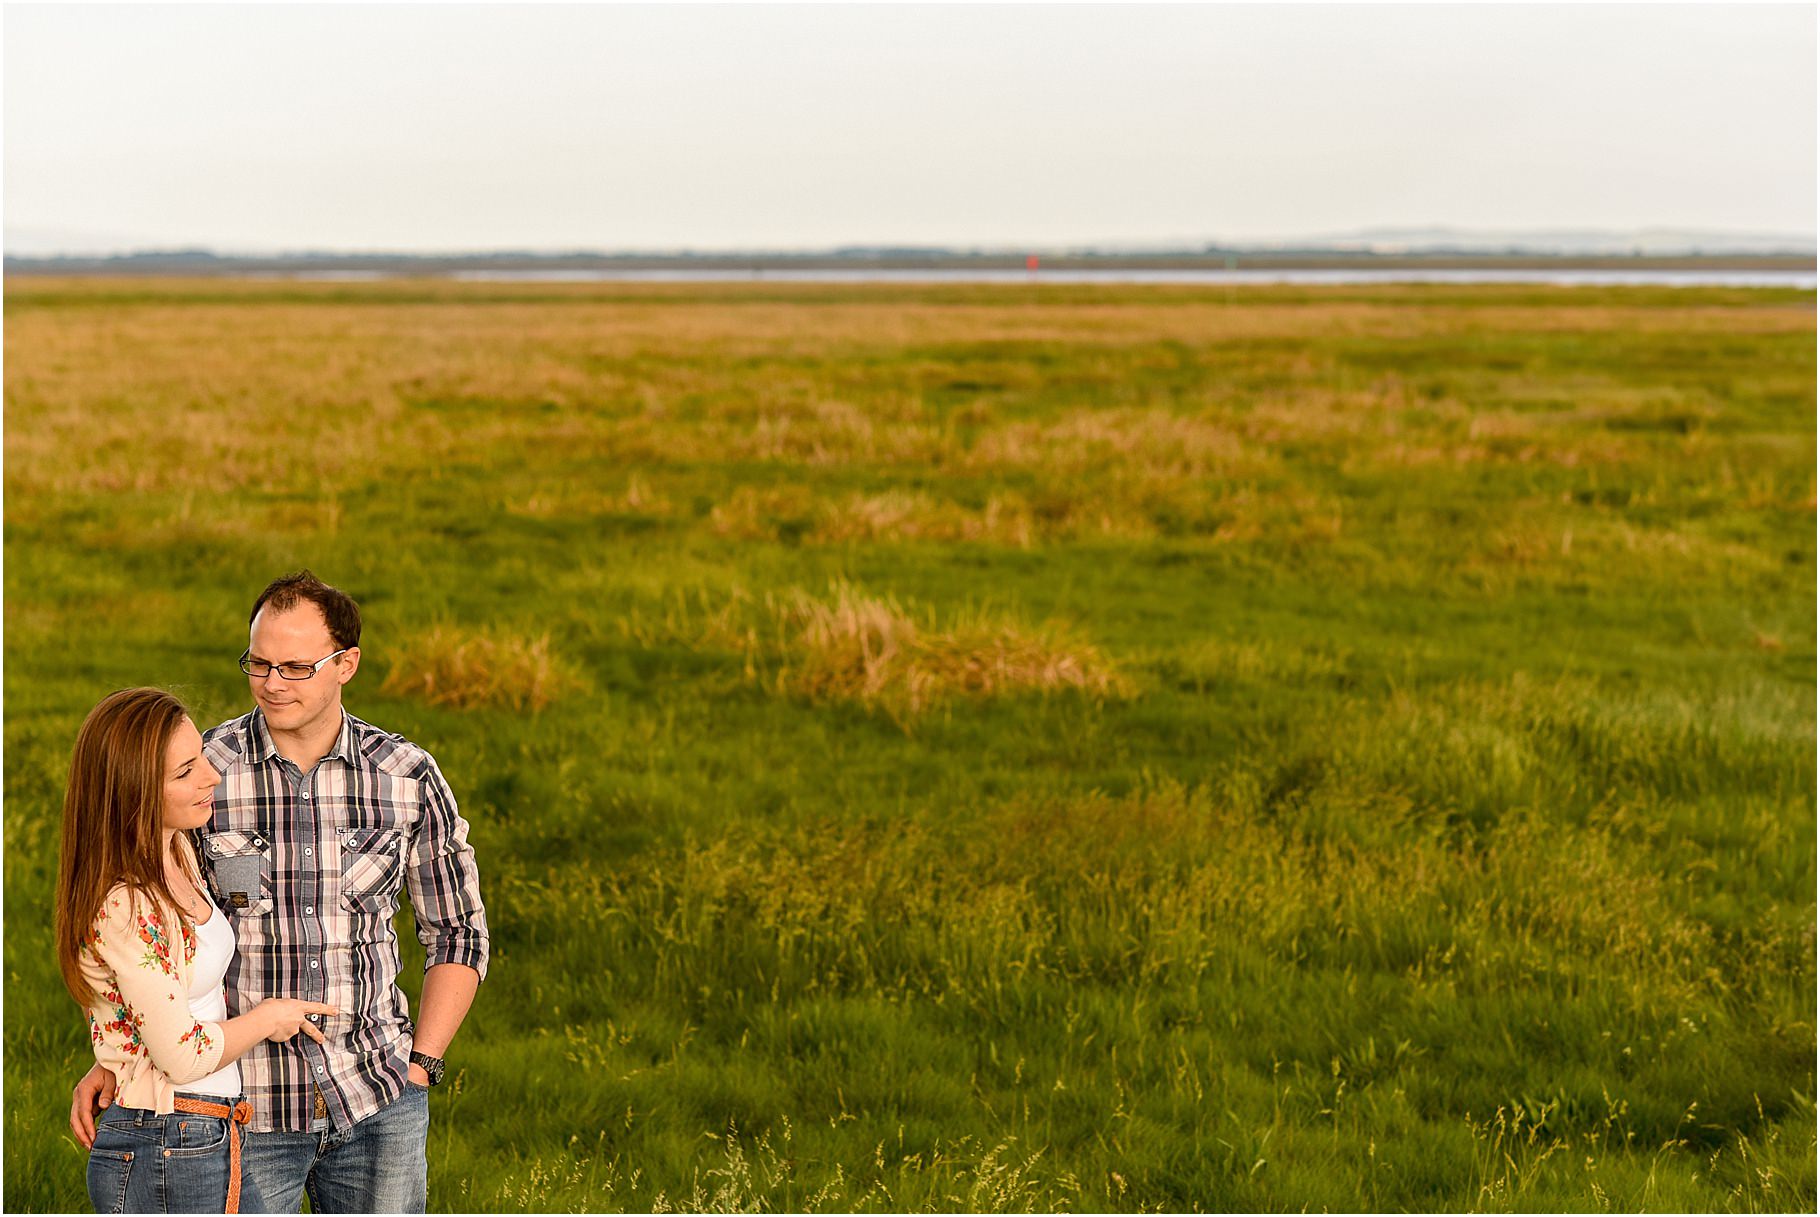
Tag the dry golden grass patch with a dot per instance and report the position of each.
(796, 511)
(871, 650)
(569, 501)
(1122, 507)
(1768, 491)
(1386, 424)
(1418, 455)
(849, 646)
(822, 433)
(286, 386)
(1559, 435)
(446, 665)
(1304, 412)
(1149, 440)
(832, 431)
(1569, 548)
(762, 513)
(173, 399)
(196, 519)
(898, 515)
(1754, 318)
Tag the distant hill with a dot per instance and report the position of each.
(1655, 242)
(29, 247)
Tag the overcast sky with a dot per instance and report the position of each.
(429, 127)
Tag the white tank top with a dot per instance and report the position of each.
(208, 1001)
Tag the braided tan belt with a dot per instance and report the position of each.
(236, 1115)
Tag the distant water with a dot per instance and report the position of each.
(1216, 278)
(1559, 278)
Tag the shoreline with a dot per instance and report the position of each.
(191, 265)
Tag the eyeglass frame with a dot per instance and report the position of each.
(246, 658)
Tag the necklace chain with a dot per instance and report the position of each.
(183, 886)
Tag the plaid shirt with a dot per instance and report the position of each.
(310, 866)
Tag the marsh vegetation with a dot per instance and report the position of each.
(1002, 748)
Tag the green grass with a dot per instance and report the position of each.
(1436, 831)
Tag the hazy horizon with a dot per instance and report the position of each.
(440, 129)
(30, 244)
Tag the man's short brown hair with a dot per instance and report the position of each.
(338, 608)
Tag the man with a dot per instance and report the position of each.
(318, 823)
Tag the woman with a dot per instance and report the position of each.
(143, 947)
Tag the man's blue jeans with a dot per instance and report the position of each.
(378, 1166)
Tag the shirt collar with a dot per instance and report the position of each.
(262, 748)
(344, 742)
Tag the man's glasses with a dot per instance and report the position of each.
(260, 669)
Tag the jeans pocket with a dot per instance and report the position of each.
(118, 1129)
(199, 1135)
(109, 1171)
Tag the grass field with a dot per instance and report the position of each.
(1002, 748)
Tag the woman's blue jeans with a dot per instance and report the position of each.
(147, 1163)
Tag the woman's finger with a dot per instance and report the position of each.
(83, 1105)
(82, 1123)
(310, 1030)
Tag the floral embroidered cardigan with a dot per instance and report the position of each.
(139, 957)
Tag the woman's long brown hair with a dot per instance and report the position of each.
(113, 813)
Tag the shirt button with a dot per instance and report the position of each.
(308, 911)
(320, 1069)
(306, 851)
(313, 963)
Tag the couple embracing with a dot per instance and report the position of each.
(224, 913)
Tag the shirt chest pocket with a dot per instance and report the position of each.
(372, 868)
(240, 872)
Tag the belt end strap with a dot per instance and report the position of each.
(240, 1113)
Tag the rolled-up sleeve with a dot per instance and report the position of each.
(139, 947)
(444, 882)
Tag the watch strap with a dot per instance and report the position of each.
(432, 1065)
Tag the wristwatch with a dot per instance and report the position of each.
(431, 1065)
